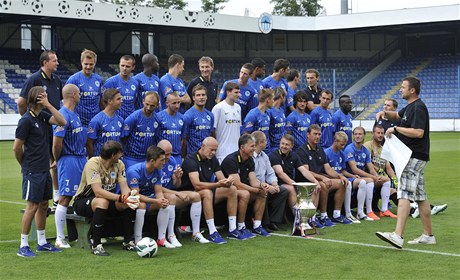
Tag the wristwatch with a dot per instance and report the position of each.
(395, 127)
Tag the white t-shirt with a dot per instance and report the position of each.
(227, 124)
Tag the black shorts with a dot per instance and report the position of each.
(83, 208)
(37, 187)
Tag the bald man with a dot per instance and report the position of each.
(70, 154)
(147, 80)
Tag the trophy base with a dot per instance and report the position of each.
(305, 231)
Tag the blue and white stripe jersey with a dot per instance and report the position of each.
(128, 89)
(277, 127)
(140, 132)
(103, 128)
(361, 156)
(298, 125)
(137, 177)
(169, 84)
(197, 126)
(145, 84)
(73, 134)
(258, 84)
(171, 129)
(90, 94)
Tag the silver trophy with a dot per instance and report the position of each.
(306, 209)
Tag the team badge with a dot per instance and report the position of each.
(208, 117)
(134, 181)
(364, 155)
(133, 87)
(113, 175)
(94, 176)
(97, 83)
(170, 168)
(36, 125)
(181, 122)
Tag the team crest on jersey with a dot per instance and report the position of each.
(133, 87)
(181, 122)
(133, 181)
(170, 168)
(36, 125)
(90, 130)
(364, 155)
(119, 124)
(247, 93)
(155, 124)
(113, 175)
(97, 83)
(154, 180)
(94, 176)
(208, 117)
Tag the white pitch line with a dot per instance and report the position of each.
(9, 241)
(12, 202)
(369, 245)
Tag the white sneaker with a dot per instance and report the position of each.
(62, 243)
(391, 238)
(353, 219)
(199, 238)
(366, 218)
(423, 239)
(438, 209)
(416, 213)
(173, 240)
(164, 243)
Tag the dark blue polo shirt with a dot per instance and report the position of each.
(289, 162)
(53, 86)
(315, 158)
(234, 164)
(211, 90)
(34, 130)
(206, 169)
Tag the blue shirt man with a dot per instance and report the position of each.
(138, 177)
(170, 84)
(103, 128)
(145, 84)
(297, 123)
(171, 125)
(336, 160)
(342, 119)
(256, 120)
(322, 117)
(277, 127)
(360, 156)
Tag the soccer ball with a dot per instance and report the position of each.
(79, 12)
(150, 18)
(146, 247)
(89, 9)
(121, 12)
(191, 16)
(210, 21)
(134, 13)
(5, 5)
(167, 16)
(64, 7)
(37, 6)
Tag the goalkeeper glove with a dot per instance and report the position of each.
(131, 200)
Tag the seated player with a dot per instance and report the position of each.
(358, 158)
(96, 197)
(171, 180)
(285, 162)
(145, 177)
(201, 170)
(240, 167)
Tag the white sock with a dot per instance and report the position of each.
(361, 198)
(323, 215)
(60, 218)
(294, 208)
(56, 195)
(257, 223)
(172, 219)
(336, 213)
(231, 223)
(195, 216)
(241, 226)
(41, 237)
(211, 226)
(162, 222)
(347, 201)
(369, 195)
(24, 240)
(139, 224)
(385, 194)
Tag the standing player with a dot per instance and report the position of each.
(227, 121)
(257, 119)
(96, 197)
(322, 117)
(140, 130)
(313, 90)
(247, 91)
(147, 80)
(46, 78)
(70, 153)
(342, 119)
(206, 66)
(390, 104)
(414, 131)
(31, 150)
(298, 121)
(170, 82)
(90, 85)
(171, 124)
(258, 73)
(106, 125)
(277, 119)
(293, 81)
(278, 78)
(125, 84)
(198, 121)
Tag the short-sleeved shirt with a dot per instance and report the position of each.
(247, 94)
(360, 156)
(343, 122)
(271, 83)
(386, 123)
(257, 120)
(323, 118)
(128, 89)
(197, 126)
(315, 158)
(33, 130)
(73, 134)
(289, 162)
(211, 90)
(90, 94)
(145, 84)
(257, 85)
(171, 129)
(277, 127)
(336, 160)
(415, 115)
(141, 132)
(290, 97)
(103, 128)
(94, 172)
(227, 123)
(376, 150)
(52, 86)
(206, 169)
(234, 164)
(169, 84)
(137, 177)
(313, 95)
(298, 125)
(167, 172)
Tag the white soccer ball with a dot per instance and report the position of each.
(146, 247)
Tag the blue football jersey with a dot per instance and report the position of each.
(360, 156)
(171, 129)
(323, 118)
(103, 128)
(298, 125)
(128, 89)
(336, 160)
(167, 172)
(169, 84)
(140, 132)
(137, 177)
(343, 123)
(277, 127)
(257, 120)
(197, 126)
(145, 84)
(73, 134)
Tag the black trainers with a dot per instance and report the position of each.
(99, 251)
(130, 246)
